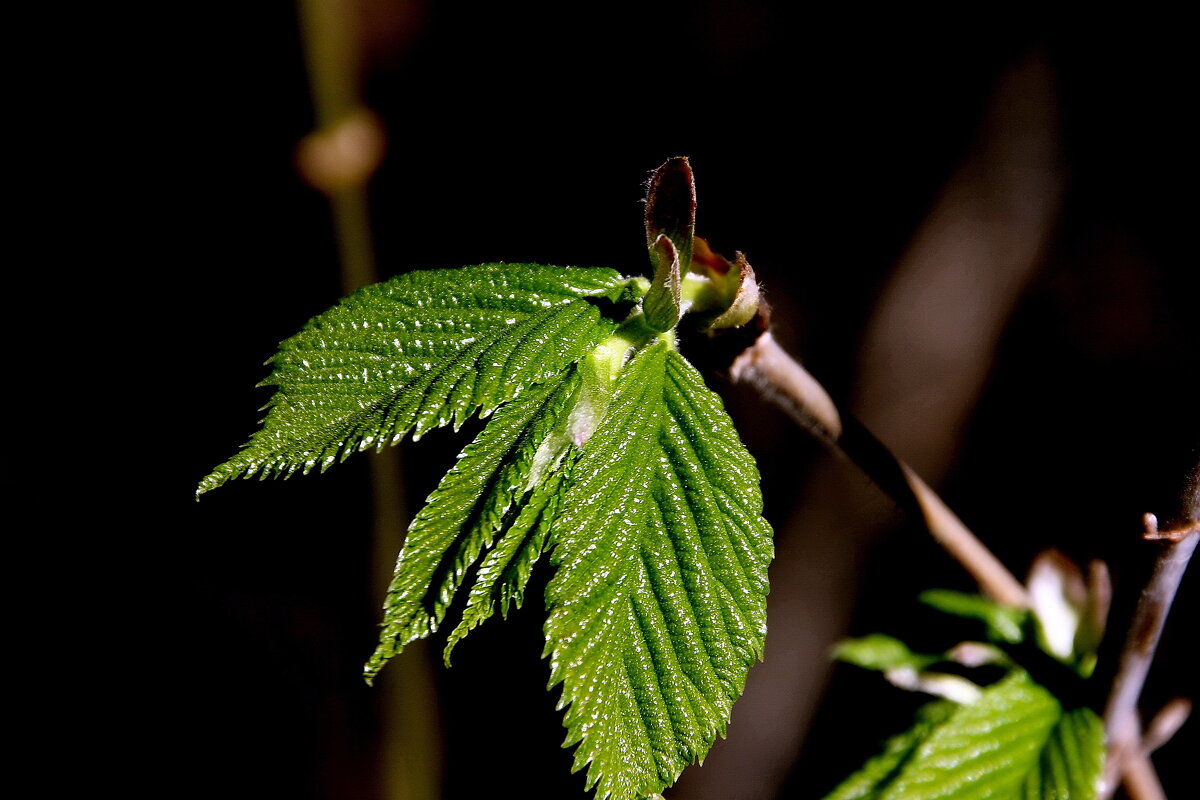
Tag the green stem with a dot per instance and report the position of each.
(701, 296)
(599, 371)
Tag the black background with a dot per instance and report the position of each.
(525, 132)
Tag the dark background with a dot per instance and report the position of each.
(525, 132)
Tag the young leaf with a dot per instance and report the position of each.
(1004, 623)
(505, 571)
(904, 668)
(865, 784)
(1072, 764)
(1013, 743)
(663, 302)
(879, 651)
(671, 210)
(724, 294)
(670, 231)
(986, 749)
(606, 448)
(417, 352)
(486, 492)
(657, 606)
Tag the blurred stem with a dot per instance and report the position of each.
(1140, 779)
(352, 222)
(781, 379)
(1127, 757)
(330, 32)
(339, 159)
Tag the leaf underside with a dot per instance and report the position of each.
(1014, 743)
(419, 351)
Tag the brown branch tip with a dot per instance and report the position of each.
(1177, 534)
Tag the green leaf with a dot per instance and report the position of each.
(904, 668)
(878, 651)
(663, 303)
(1004, 623)
(657, 606)
(420, 351)
(865, 784)
(670, 231)
(505, 571)
(1072, 764)
(604, 447)
(724, 294)
(486, 492)
(671, 211)
(985, 749)
(1013, 743)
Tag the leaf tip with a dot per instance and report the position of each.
(671, 207)
(373, 666)
(662, 305)
(216, 478)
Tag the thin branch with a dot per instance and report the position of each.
(1127, 756)
(767, 367)
(1140, 779)
(1130, 760)
(1177, 534)
(1137, 770)
(950, 532)
(777, 376)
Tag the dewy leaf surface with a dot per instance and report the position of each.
(1014, 743)
(657, 606)
(420, 351)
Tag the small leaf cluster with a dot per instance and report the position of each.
(604, 453)
(1010, 740)
(1014, 741)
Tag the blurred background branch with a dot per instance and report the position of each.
(339, 158)
(1128, 750)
